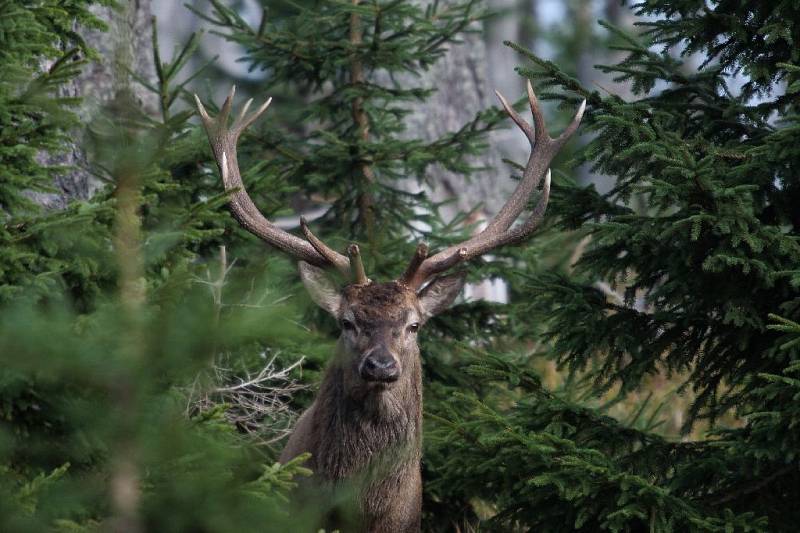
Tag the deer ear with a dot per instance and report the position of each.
(321, 288)
(440, 293)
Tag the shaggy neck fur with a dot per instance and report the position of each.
(366, 431)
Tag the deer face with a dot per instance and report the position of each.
(380, 321)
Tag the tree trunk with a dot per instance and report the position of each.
(464, 87)
(126, 45)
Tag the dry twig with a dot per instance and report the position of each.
(256, 404)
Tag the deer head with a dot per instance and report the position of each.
(380, 321)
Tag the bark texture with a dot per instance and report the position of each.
(464, 87)
(465, 79)
(126, 45)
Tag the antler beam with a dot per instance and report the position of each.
(223, 142)
(499, 231)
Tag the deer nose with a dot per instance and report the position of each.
(380, 365)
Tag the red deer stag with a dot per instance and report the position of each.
(364, 428)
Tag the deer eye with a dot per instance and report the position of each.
(347, 325)
(413, 328)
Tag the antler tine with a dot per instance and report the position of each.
(223, 142)
(227, 105)
(336, 259)
(518, 120)
(524, 230)
(573, 125)
(446, 262)
(419, 256)
(498, 231)
(538, 117)
(359, 276)
(207, 121)
(244, 122)
(245, 108)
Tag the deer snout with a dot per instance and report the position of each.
(379, 365)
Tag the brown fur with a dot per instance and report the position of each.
(367, 434)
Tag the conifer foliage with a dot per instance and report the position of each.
(40, 52)
(108, 330)
(148, 375)
(146, 372)
(698, 235)
(333, 66)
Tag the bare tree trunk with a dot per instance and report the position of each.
(586, 57)
(613, 11)
(126, 45)
(528, 31)
(463, 88)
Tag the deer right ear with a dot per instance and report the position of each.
(440, 293)
(321, 288)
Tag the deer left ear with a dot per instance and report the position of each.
(440, 293)
(321, 288)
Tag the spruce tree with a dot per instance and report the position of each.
(699, 237)
(40, 53)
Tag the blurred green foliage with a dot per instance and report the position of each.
(93, 378)
(121, 325)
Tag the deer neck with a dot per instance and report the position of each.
(357, 404)
(359, 426)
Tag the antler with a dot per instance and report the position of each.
(499, 231)
(223, 143)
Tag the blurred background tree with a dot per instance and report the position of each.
(621, 372)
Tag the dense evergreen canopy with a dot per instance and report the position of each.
(132, 344)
